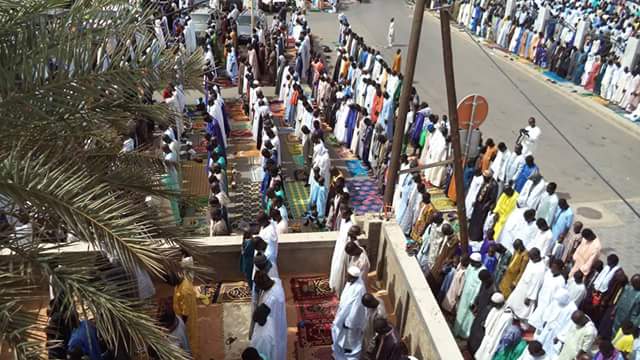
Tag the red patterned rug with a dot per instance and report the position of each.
(318, 310)
(314, 332)
(241, 133)
(311, 288)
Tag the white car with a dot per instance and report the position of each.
(272, 5)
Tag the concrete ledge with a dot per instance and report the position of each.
(420, 321)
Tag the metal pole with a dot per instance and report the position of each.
(253, 21)
(398, 135)
(447, 54)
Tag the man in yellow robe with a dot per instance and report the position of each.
(427, 210)
(185, 306)
(505, 205)
(515, 269)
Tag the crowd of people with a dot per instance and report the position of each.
(581, 41)
(530, 285)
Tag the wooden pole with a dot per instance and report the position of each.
(447, 54)
(405, 95)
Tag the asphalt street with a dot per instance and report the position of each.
(583, 148)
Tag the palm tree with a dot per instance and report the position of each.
(74, 75)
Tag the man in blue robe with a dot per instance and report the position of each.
(527, 170)
(562, 220)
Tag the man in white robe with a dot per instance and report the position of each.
(621, 85)
(530, 137)
(348, 326)
(513, 164)
(269, 321)
(497, 166)
(578, 335)
(498, 320)
(532, 192)
(520, 225)
(548, 203)
(552, 319)
(553, 282)
(438, 151)
(543, 239)
(374, 308)
(472, 193)
(357, 256)
(269, 234)
(431, 239)
(524, 296)
(338, 258)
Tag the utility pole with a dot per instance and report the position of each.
(447, 54)
(253, 21)
(405, 94)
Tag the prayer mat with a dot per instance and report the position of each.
(236, 322)
(314, 332)
(240, 125)
(324, 309)
(236, 292)
(311, 288)
(200, 149)
(364, 196)
(277, 109)
(209, 293)
(314, 353)
(246, 133)
(297, 198)
(298, 160)
(555, 77)
(443, 203)
(355, 168)
(210, 327)
(245, 202)
(344, 153)
(332, 140)
(194, 179)
(249, 154)
(294, 148)
(198, 125)
(292, 139)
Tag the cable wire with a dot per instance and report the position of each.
(548, 120)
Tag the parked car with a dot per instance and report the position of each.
(244, 24)
(272, 5)
(200, 19)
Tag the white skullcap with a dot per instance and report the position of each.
(497, 298)
(354, 271)
(475, 257)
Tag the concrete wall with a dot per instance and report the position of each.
(418, 317)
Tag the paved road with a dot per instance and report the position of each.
(583, 130)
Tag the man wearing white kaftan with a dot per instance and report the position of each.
(517, 227)
(472, 194)
(531, 193)
(552, 283)
(437, 152)
(552, 320)
(524, 296)
(348, 326)
(268, 338)
(338, 258)
(498, 320)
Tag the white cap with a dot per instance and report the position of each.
(497, 298)
(354, 271)
(475, 257)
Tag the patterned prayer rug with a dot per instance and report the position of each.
(294, 148)
(364, 196)
(331, 140)
(317, 309)
(443, 203)
(344, 153)
(209, 293)
(234, 292)
(298, 160)
(277, 109)
(240, 125)
(314, 353)
(314, 332)
(311, 288)
(355, 168)
(245, 133)
(297, 197)
(236, 322)
(245, 202)
(194, 179)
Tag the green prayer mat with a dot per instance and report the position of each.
(297, 197)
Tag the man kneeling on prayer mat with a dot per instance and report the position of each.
(268, 332)
(348, 326)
